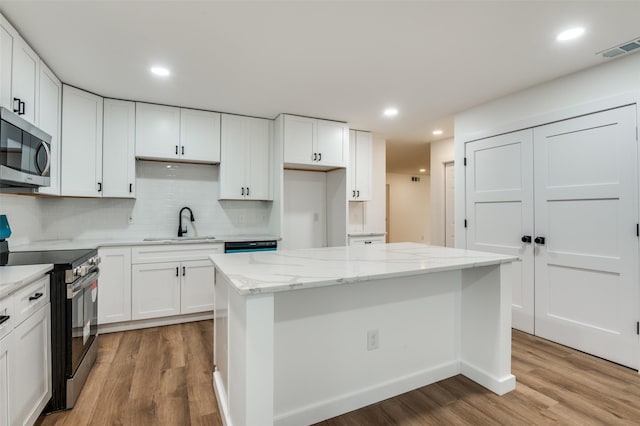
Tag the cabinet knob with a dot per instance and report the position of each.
(539, 240)
(526, 239)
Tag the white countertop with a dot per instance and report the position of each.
(95, 243)
(14, 277)
(264, 272)
(366, 234)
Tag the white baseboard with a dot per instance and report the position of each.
(221, 397)
(341, 404)
(499, 386)
(153, 322)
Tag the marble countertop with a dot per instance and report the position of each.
(13, 278)
(284, 270)
(95, 243)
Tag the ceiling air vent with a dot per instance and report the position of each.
(627, 47)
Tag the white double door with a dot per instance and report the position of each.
(564, 198)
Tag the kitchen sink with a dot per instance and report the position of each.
(178, 239)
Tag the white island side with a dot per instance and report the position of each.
(305, 335)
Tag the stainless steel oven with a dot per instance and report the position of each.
(82, 301)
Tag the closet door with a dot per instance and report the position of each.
(499, 210)
(586, 191)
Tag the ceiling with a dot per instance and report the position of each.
(330, 59)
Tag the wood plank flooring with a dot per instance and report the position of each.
(162, 376)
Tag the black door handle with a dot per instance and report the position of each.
(320, 156)
(243, 191)
(354, 194)
(16, 101)
(184, 271)
(247, 191)
(36, 296)
(21, 108)
(130, 188)
(177, 271)
(526, 239)
(99, 186)
(358, 192)
(182, 147)
(4, 318)
(539, 240)
(315, 156)
(176, 149)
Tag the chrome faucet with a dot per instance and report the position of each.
(181, 232)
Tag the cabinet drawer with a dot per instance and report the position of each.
(7, 309)
(31, 298)
(377, 239)
(174, 252)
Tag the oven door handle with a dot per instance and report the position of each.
(74, 288)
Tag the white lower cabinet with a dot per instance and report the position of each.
(196, 291)
(6, 353)
(155, 290)
(114, 303)
(170, 280)
(31, 389)
(25, 354)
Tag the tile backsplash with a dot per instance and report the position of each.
(162, 190)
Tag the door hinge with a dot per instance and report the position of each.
(465, 223)
(464, 161)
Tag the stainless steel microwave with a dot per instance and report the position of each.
(25, 153)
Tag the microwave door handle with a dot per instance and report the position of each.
(48, 152)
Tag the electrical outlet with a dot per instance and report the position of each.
(372, 340)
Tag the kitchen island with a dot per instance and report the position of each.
(305, 335)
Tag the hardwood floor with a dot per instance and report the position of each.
(162, 376)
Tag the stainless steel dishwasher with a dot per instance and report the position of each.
(250, 246)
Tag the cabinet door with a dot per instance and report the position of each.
(157, 131)
(199, 136)
(258, 151)
(197, 286)
(49, 116)
(32, 391)
(6, 378)
(81, 171)
(155, 290)
(6, 60)
(363, 165)
(351, 185)
(298, 139)
(233, 158)
(332, 139)
(114, 303)
(118, 150)
(25, 78)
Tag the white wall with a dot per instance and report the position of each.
(409, 209)
(161, 192)
(537, 105)
(441, 152)
(304, 223)
(370, 216)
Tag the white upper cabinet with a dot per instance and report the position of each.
(360, 165)
(118, 149)
(49, 116)
(19, 69)
(245, 164)
(199, 136)
(81, 171)
(157, 132)
(25, 80)
(177, 134)
(315, 144)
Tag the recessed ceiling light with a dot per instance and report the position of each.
(423, 170)
(437, 132)
(162, 72)
(570, 34)
(391, 112)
